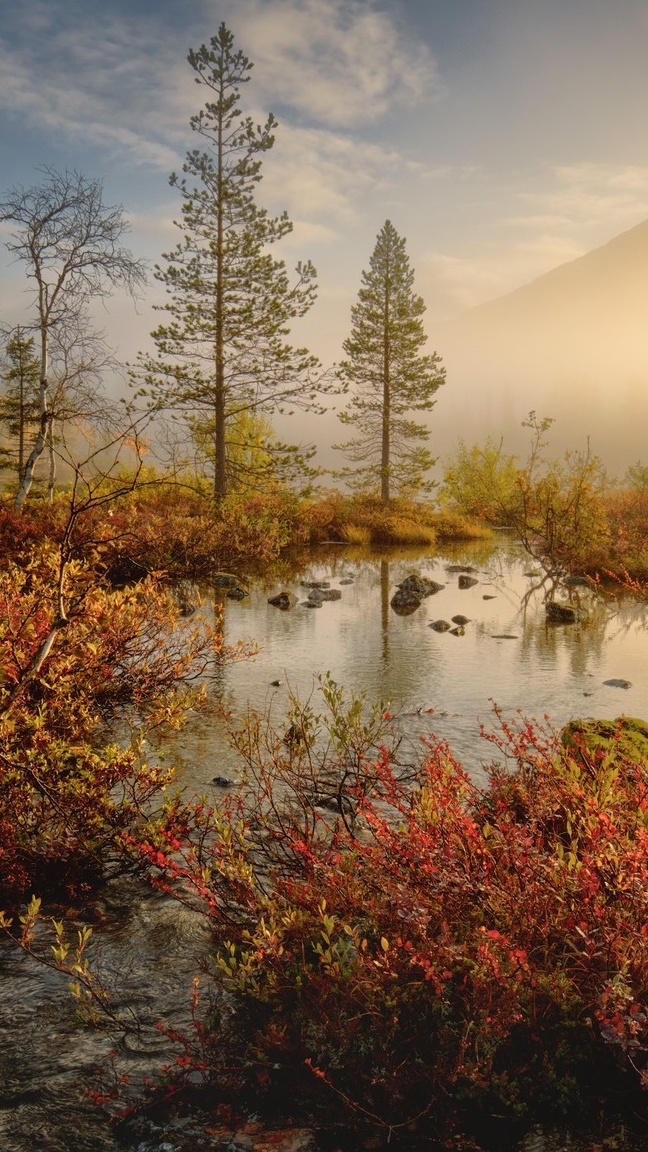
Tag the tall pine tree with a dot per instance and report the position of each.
(388, 376)
(224, 351)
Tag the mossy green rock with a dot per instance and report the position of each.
(626, 736)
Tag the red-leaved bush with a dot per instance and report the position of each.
(397, 947)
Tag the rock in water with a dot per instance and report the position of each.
(283, 600)
(420, 586)
(560, 613)
(411, 591)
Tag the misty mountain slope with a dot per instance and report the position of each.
(572, 344)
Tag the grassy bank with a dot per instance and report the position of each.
(168, 529)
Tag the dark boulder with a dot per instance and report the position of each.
(440, 626)
(467, 581)
(318, 595)
(283, 600)
(420, 586)
(224, 580)
(560, 613)
(411, 591)
(237, 593)
(461, 620)
(404, 603)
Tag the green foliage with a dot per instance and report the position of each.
(637, 476)
(481, 481)
(557, 508)
(231, 304)
(389, 377)
(255, 459)
(19, 402)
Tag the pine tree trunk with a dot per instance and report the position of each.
(386, 406)
(220, 473)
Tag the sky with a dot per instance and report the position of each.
(501, 137)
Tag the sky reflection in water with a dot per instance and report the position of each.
(539, 668)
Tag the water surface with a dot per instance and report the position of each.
(508, 654)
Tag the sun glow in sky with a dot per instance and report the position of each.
(501, 137)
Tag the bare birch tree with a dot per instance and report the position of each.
(71, 245)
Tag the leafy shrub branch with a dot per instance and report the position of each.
(394, 947)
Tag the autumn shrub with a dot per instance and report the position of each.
(75, 655)
(321, 516)
(179, 533)
(21, 531)
(455, 526)
(481, 482)
(627, 514)
(555, 507)
(399, 948)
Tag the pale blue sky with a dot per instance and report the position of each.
(501, 137)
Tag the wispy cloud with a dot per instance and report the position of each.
(319, 174)
(337, 62)
(117, 81)
(92, 78)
